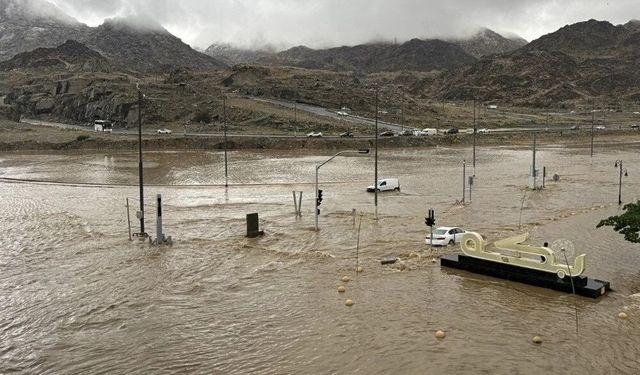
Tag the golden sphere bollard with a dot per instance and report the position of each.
(359, 269)
(537, 340)
(341, 289)
(348, 302)
(622, 315)
(440, 334)
(345, 279)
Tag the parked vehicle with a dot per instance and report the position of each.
(482, 131)
(451, 131)
(600, 127)
(574, 127)
(386, 184)
(347, 134)
(388, 133)
(443, 236)
(420, 133)
(342, 113)
(635, 126)
(102, 126)
(164, 131)
(430, 131)
(406, 132)
(314, 134)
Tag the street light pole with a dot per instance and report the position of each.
(361, 151)
(619, 165)
(402, 107)
(140, 168)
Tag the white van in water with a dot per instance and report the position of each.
(386, 184)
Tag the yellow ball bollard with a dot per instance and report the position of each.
(345, 279)
(537, 340)
(359, 269)
(622, 315)
(341, 289)
(440, 334)
(348, 302)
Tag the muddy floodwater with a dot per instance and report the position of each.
(78, 297)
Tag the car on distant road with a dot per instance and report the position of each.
(574, 127)
(443, 236)
(600, 127)
(451, 131)
(346, 134)
(635, 126)
(388, 133)
(164, 131)
(342, 113)
(314, 134)
(406, 132)
(483, 131)
(420, 133)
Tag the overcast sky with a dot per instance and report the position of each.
(324, 23)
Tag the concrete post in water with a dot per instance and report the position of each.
(300, 205)
(297, 203)
(464, 174)
(128, 220)
(533, 185)
(253, 226)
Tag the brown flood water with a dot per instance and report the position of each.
(77, 297)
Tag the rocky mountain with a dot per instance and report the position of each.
(577, 62)
(147, 48)
(71, 55)
(415, 55)
(487, 42)
(133, 44)
(231, 55)
(29, 24)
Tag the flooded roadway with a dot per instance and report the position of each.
(77, 297)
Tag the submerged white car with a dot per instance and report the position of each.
(443, 236)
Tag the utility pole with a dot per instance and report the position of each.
(295, 118)
(464, 176)
(375, 184)
(224, 124)
(140, 169)
(475, 130)
(402, 107)
(593, 121)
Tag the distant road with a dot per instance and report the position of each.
(311, 109)
(321, 111)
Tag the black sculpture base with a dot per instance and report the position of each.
(584, 286)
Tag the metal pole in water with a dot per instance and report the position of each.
(295, 202)
(475, 130)
(300, 205)
(159, 234)
(593, 121)
(316, 204)
(128, 220)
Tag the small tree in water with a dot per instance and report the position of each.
(628, 223)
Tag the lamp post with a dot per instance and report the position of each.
(619, 166)
(475, 131)
(361, 151)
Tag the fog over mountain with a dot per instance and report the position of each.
(329, 23)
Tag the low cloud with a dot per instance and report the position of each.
(324, 23)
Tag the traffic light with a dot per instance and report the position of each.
(319, 200)
(431, 219)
